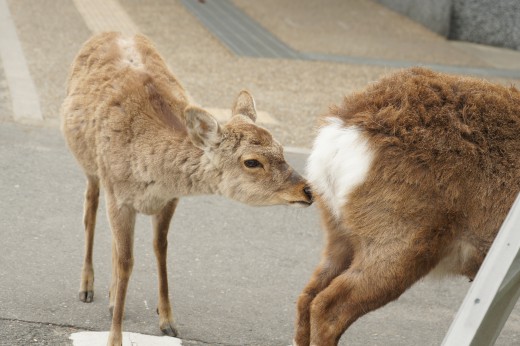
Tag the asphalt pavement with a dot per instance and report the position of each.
(235, 271)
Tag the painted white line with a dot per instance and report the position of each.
(223, 115)
(106, 15)
(24, 97)
(129, 339)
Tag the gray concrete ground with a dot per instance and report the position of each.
(235, 271)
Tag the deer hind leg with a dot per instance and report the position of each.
(336, 259)
(161, 224)
(379, 273)
(122, 222)
(86, 290)
(113, 280)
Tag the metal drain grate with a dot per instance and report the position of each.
(237, 31)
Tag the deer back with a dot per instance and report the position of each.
(438, 156)
(119, 87)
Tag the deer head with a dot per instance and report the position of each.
(249, 160)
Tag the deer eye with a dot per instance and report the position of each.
(252, 163)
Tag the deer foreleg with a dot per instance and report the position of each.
(161, 224)
(122, 222)
(86, 290)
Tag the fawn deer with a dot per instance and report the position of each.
(131, 127)
(415, 173)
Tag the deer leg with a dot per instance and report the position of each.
(122, 222)
(113, 280)
(377, 275)
(86, 289)
(336, 259)
(161, 224)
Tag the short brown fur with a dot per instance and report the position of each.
(445, 172)
(131, 127)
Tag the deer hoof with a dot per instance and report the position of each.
(86, 296)
(169, 330)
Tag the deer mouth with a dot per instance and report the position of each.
(302, 204)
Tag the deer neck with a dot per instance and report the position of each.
(188, 170)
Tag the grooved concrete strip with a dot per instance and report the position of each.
(25, 99)
(241, 34)
(105, 15)
(245, 37)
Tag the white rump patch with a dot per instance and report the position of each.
(129, 339)
(129, 54)
(339, 161)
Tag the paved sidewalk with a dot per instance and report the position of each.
(292, 91)
(236, 271)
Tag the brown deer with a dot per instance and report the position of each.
(415, 173)
(131, 127)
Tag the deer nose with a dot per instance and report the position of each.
(308, 192)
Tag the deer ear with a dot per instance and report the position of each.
(245, 105)
(203, 129)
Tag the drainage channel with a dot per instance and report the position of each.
(241, 34)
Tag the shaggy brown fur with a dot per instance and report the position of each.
(130, 125)
(445, 172)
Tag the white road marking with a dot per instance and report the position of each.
(106, 15)
(24, 97)
(129, 339)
